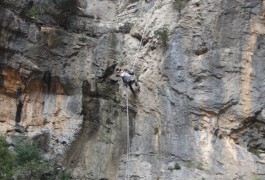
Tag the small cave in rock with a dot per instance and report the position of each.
(202, 51)
(139, 38)
(107, 73)
(47, 77)
(251, 136)
(1, 80)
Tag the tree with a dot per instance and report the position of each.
(7, 161)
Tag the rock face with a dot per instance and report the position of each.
(201, 104)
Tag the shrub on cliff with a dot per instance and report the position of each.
(179, 4)
(162, 34)
(29, 161)
(25, 162)
(38, 10)
(66, 5)
(7, 162)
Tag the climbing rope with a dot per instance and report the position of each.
(127, 175)
(137, 52)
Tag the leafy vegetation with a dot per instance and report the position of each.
(27, 153)
(7, 162)
(25, 162)
(176, 167)
(200, 166)
(65, 5)
(126, 27)
(38, 10)
(156, 130)
(123, 62)
(162, 34)
(179, 4)
(82, 39)
(255, 151)
(197, 165)
(6, 3)
(64, 175)
(188, 164)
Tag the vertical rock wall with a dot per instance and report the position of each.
(201, 104)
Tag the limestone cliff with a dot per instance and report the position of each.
(201, 103)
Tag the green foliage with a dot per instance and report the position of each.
(64, 175)
(123, 62)
(7, 3)
(162, 34)
(7, 161)
(66, 5)
(24, 162)
(38, 10)
(29, 162)
(156, 130)
(179, 4)
(199, 166)
(255, 151)
(176, 167)
(126, 27)
(32, 169)
(82, 39)
(188, 164)
(26, 153)
(256, 178)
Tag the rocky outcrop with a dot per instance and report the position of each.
(201, 105)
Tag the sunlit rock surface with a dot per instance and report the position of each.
(201, 103)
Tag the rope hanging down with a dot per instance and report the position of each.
(137, 52)
(127, 175)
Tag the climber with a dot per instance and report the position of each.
(128, 79)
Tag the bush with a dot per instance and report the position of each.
(176, 167)
(162, 34)
(7, 161)
(66, 5)
(255, 151)
(27, 153)
(38, 10)
(29, 161)
(179, 4)
(24, 163)
(200, 166)
(6, 3)
(64, 175)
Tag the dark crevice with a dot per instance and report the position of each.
(201, 51)
(249, 133)
(107, 73)
(90, 127)
(137, 36)
(19, 112)
(47, 79)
